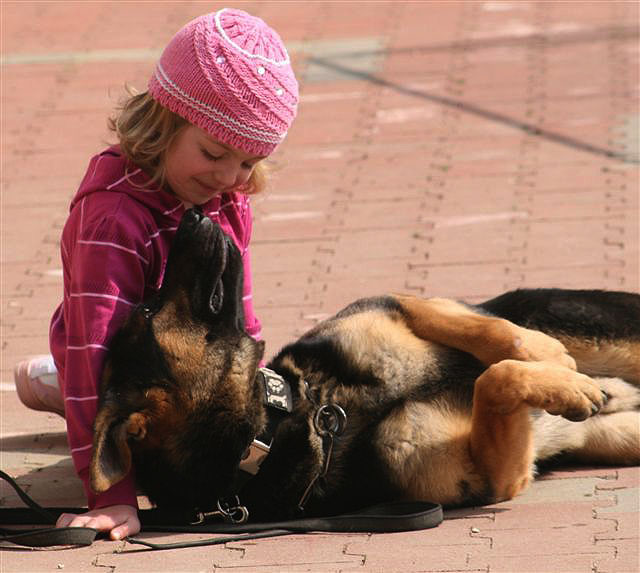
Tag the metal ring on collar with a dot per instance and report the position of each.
(330, 419)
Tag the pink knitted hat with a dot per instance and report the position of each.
(229, 74)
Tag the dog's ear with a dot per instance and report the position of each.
(111, 460)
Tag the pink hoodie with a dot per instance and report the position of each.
(114, 248)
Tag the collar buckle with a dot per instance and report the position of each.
(254, 456)
(277, 395)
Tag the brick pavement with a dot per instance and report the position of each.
(442, 148)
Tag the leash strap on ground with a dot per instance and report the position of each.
(382, 518)
(35, 513)
(212, 541)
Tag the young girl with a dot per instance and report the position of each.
(222, 97)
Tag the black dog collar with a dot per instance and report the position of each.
(279, 401)
(277, 390)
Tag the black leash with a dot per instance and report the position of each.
(50, 536)
(41, 537)
(387, 517)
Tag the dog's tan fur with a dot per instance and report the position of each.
(427, 447)
(596, 358)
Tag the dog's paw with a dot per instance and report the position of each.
(520, 343)
(569, 394)
(506, 386)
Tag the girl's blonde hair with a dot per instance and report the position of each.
(145, 130)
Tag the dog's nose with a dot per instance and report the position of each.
(193, 218)
(196, 213)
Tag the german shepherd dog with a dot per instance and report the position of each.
(393, 398)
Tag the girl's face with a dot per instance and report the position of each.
(198, 167)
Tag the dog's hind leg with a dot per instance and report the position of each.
(602, 357)
(502, 439)
(489, 338)
(613, 436)
(611, 439)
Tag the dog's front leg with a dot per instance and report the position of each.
(490, 339)
(501, 438)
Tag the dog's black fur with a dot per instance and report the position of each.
(181, 396)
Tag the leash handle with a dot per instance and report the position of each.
(42, 537)
(50, 536)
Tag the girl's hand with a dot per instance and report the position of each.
(119, 520)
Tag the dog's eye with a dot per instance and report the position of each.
(149, 309)
(147, 312)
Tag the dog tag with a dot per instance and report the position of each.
(277, 390)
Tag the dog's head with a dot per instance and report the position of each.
(178, 393)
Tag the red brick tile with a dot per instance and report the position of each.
(624, 477)
(623, 524)
(315, 552)
(544, 563)
(624, 559)
(565, 515)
